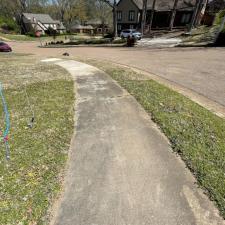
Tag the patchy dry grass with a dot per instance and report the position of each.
(195, 133)
(17, 70)
(31, 180)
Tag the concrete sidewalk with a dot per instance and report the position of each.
(122, 170)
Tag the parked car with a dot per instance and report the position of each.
(5, 47)
(131, 33)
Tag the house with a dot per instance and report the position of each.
(77, 28)
(129, 13)
(40, 23)
(98, 25)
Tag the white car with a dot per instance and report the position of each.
(131, 33)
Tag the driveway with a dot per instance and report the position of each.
(201, 70)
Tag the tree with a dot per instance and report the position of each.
(144, 13)
(113, 5)
(62, 6)
(103, 12)
(23, 5)
(76, 10)
(152, 15)
(201, 12)
(194, 16)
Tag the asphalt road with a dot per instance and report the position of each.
(201, 70)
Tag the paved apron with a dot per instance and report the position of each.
(122, 170)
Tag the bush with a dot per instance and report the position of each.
(119, 41)
(8, 24)
(31, 34)
(219, 17)
(217, 23)
(97, 41)
(110, 35)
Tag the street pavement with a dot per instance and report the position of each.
(200, 71)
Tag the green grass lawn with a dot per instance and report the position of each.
(31, 180)
(17, 37)
(194, 132)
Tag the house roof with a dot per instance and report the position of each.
(94, 22)
(164, 5)
(80, 27)
(61, 27)
(43, 18)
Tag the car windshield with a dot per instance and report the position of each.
(2, 43)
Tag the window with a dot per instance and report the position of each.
(99, 30)
(186, 18)
(119, 27)
(131, 15)
(119, 15)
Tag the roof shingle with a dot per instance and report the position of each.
(43, 18)
(162, 5)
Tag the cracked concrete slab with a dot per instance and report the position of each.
(122, 170)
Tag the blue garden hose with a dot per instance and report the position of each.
(7, 122)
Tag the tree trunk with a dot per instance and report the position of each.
(115, 18)
(23, 5)
(193, 19)
(144, 12)
(173, 14)
(152, 16)
(201, 12)
(103, 28)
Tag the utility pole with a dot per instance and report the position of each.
(144, 15)
(193, 19)
(173, 14)
(152, 15)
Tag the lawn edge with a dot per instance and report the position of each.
(198, 98)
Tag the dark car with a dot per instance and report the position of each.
(5, 47)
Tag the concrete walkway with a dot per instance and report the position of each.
(122, 170)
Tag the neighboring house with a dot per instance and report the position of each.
(77, 28)
(98, 25)
(40, 23)
(129, 13)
